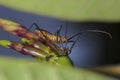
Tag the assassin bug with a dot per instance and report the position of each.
(39, 46)
(21, 31)
(61, 49)
(57, 38)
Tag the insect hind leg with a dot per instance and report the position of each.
(34, 24)
(37, 28)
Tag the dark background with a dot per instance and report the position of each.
(92, 49)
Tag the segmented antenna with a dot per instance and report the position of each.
(99, 32)
(90, 31)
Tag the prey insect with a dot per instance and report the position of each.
(43, 45)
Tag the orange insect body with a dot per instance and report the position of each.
(51, 37)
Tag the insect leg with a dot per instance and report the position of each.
(41, 30)
(28, 29)
(73, 36)
(59, 40)
(74, 43)
(66, 29)
(35, 26)
(57, 33)
(39, 37)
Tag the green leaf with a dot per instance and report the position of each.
(75, 10)
(16, 69)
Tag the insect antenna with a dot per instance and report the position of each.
(99, 32)
(69, 39)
